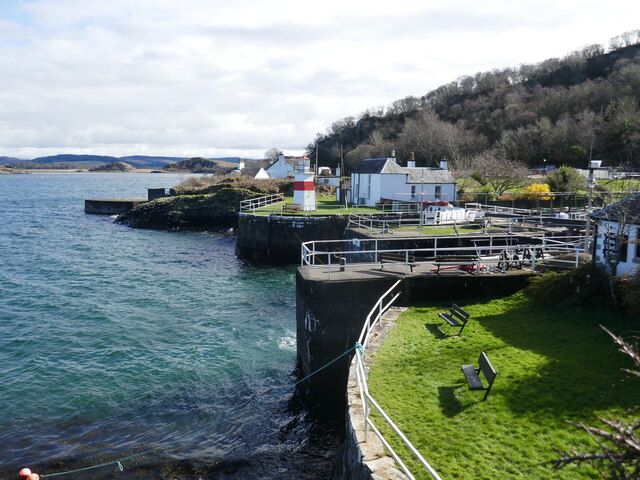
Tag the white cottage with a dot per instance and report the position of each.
(616, 234)
(282, 167)
(381, 179)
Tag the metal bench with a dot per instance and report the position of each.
(410, 260)
(472, 374)
(456, 317)
(453, 261)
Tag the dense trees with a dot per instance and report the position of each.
(585, 105)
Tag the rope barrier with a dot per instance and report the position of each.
(118, 462)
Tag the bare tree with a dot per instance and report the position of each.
(497, 172)
(375, 147)
(272, 154)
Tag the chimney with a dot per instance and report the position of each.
(411, 163)
(393, 155)
(444, 164)
(280, 156)
(240, 164)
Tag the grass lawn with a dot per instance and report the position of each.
(447, 230)
(325, 206)
(554, 365)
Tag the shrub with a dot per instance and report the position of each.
(582, 285)
(627, 289)
(535, 191)
(565, 179)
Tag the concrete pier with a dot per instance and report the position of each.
(111, 206)
(331, 306)
(277, 238)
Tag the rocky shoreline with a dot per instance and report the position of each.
(216, 209)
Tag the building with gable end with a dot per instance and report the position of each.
(282, 167)
(616, 236)
(382, 180)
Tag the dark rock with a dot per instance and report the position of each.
(211, 211)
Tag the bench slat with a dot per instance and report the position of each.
(473, 380)
(459, 311)
(487, 369)
(450, 320)
(472, 374)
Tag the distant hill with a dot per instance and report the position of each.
(197, 165)
(144, 161)
(92, 161)
(68, 158)
(9, 160)
(113, 167)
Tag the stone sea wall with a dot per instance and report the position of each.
(277, 238)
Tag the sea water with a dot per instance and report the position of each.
(162, 349)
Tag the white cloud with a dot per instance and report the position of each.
(152, 77)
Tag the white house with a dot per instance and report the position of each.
(378, 180)
(282, 167)
(616, 234)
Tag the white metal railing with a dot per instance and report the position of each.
(254, 203)
(498, 252)
(373, 319)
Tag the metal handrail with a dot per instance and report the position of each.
(375, 315)
(259, 202)
(486, 251)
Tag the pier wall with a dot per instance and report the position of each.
(113, 206)
(277, 238)
(330, 313)
(329, 318)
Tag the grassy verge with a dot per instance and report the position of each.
(477, 229)
(325, 206)
(554, 365)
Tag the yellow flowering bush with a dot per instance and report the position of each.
(535, 191)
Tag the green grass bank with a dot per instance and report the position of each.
(555, 364)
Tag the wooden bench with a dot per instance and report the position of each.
(456, 317)
(291, 207)
(397, 258)
(454, 260)
(472, 374)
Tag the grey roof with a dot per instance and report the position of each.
(414, 174)
(627, 210)
(250, 171)
(379, 165)
(428, 175)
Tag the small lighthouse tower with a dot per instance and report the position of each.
(304, 192)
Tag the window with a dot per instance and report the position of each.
(438, 192)
(413, 190)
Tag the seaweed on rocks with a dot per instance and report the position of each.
(215, 210)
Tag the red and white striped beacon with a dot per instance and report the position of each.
(304, 192)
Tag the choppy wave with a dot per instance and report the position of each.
(114, 341)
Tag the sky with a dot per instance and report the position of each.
(212, 78)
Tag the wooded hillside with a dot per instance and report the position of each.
(585, 105)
